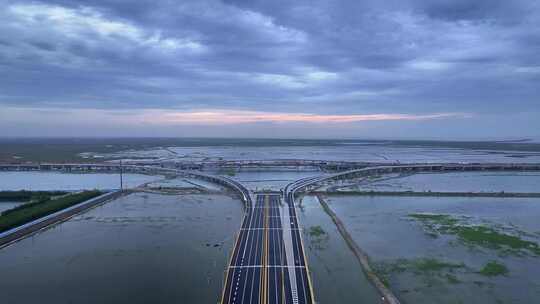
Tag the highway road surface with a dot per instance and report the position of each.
(268, 264)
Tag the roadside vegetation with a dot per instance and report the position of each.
(28, 212)
(23, 195)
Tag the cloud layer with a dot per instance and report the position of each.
(275, 60)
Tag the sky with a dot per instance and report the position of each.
(433, 69)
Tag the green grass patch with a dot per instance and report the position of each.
(36, 201)
(385, 280)
(477, 235)
(318, 238)
(438, 219)
(418, 266)
(430, 264)
(316, 231)
(489, 237)
(23, 195)
(494, 268)
(432, 271)
(31, 211)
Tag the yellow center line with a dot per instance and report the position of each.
(282, 253)
(267, 231)
(264, 279)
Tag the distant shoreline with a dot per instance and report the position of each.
(59, 149)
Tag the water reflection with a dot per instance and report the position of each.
(422, 268)
(4, 205)
(337, 275)
(458, 182)
(45, 181)
(143, 248)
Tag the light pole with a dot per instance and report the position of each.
(121, 177)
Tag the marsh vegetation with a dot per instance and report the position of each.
(506, 240)
(446, 249)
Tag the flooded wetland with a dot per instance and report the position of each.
(448, 249)
(170, 241)
(155, 248)
(270, 152)
(337, 275)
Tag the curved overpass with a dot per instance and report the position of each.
(307, 184)
(18, 233)
(153, 170)
(229, 183)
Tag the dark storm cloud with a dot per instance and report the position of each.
(303, 56)
(496, 10)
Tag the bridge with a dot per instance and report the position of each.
(309, 184)
(196, 165)
(268, 262)
(340, 166)
(21, 232)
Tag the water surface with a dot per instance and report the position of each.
(381, 226)
(381, 151)
(143, 248)
(6, 205)
(336, 274)
(270, 180)
(45, 181)
(459, 182)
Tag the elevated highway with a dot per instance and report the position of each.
(196, 165)
(152, 170)
(308, 184)
(268, 263)
(340, 166)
